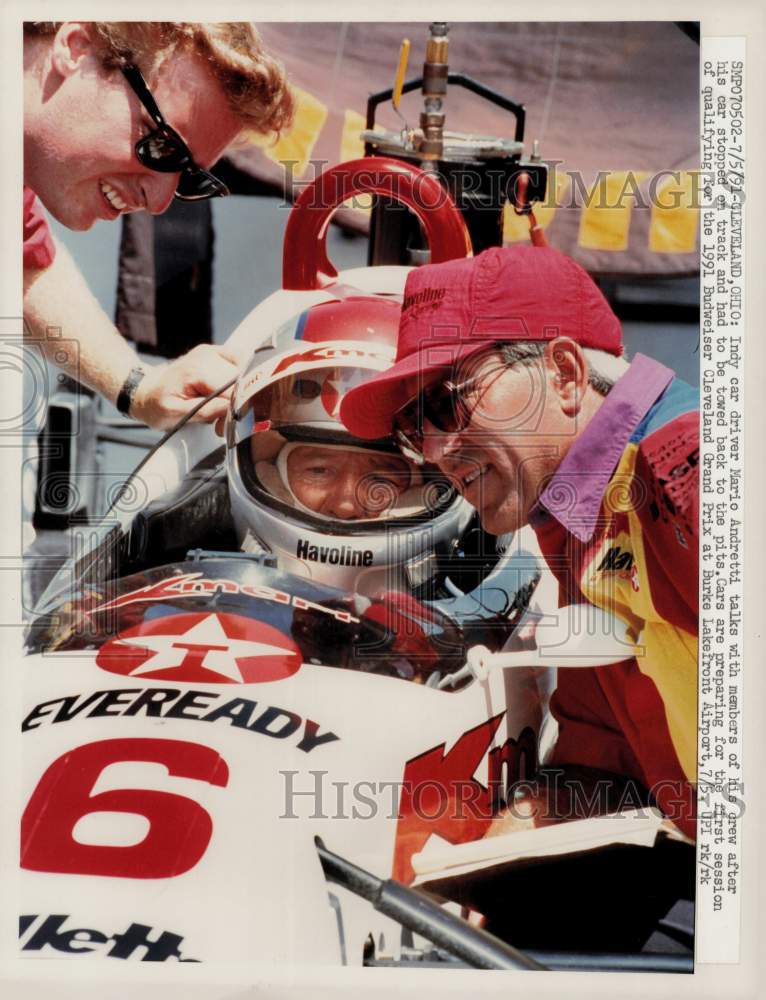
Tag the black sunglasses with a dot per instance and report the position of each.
(164, 150)
(443, 404)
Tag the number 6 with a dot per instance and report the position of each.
(179, 828)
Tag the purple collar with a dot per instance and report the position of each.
(574, 494)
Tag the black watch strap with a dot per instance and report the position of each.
(128, 390)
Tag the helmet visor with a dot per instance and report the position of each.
(338, 481)
(304, 398)
(292, 449)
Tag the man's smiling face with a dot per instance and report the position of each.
(523, 420)
(79, 146)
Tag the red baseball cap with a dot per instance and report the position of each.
(454, 309)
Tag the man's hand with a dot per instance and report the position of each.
(169, 391)
(64, 320)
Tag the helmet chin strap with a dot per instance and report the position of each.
(281, 465)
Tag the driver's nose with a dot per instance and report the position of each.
(343, 502)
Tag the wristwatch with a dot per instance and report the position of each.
(128, 390)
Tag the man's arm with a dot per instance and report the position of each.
(64, 318)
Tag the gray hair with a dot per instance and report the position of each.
(603, 368)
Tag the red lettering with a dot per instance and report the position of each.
(195, 654)
(153, 592)
(179, 828)
(323, 354)
(434, 787)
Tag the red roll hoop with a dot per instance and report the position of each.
(305, 264)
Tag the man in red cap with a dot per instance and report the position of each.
(509, 376)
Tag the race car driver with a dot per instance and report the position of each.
(352, 514)
(348, 513)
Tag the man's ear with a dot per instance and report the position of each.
(568, 370)
(72, 44)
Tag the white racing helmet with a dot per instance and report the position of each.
(348, 513)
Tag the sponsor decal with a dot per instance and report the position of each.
(440, 794)
(312, 356)
(57, 933)
(195, 585)
(175, 703)
(427, 296)
(622, 563)
(376, 357)
(321, 354)
(215, 648)
(615, 559)
(66, 793)
(336, 555)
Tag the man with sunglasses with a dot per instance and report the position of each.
(510, 377)
(123, 117)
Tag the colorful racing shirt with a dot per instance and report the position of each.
(618, 526)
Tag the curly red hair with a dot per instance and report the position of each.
(254, 81)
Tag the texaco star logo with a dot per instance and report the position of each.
(204, 648)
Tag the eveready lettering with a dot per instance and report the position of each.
(173, 703)
(337, 555)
